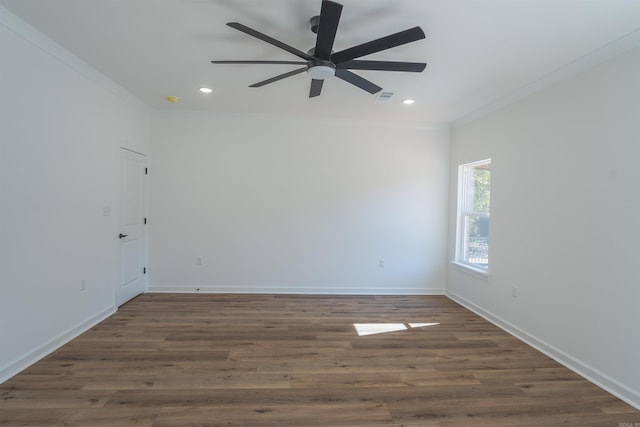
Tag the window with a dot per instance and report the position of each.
(474, 185)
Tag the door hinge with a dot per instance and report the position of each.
(145, 220)
(144, 270)
(146, 171)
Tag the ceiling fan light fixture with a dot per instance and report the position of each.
(206, 90)
(321, 72)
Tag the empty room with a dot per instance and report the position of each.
(319, 213)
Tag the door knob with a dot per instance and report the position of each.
(122, 236)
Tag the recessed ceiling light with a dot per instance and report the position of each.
(408, 101)
(205, 90)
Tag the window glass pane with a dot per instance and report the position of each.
(476, 245)
(481, 188)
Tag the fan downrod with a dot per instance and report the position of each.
(314, 22)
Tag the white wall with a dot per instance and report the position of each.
(287, 205)
(61, 125)
(564, 226)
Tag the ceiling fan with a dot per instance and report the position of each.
(321, 62)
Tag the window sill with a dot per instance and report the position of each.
(466, 268)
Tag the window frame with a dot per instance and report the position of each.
(464, 212)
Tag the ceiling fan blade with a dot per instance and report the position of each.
(260, 62)
(280, 77)
(327, 28)
(316, 88)
(414, 67)
(383, 43)
(270, 40)
(358, 81)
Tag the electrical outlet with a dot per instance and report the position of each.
(514, 292)
(83, 285)
(381, 263)
(198, 260)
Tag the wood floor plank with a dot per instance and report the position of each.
(34, 417)
(376, 379)
(258, 414)
(138, 417)
(63, 399)
(284, 360)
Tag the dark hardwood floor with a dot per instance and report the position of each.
(275, 360)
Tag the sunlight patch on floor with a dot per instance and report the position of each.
(364, 329)
(422, 325)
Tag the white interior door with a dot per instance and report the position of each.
(133, 236)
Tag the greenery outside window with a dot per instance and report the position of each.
(474, 190)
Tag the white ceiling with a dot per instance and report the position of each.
(478, 51)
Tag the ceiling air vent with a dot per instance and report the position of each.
(384, 96)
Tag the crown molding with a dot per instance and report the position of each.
(597, 56)
(31, 35)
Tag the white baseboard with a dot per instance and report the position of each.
(29, 359)
(290, 290)
(632, 397)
